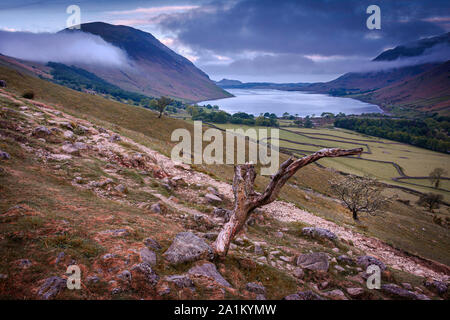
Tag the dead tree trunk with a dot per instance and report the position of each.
(246, 199)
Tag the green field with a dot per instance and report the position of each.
(382, 159)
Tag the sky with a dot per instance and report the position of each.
(252, 40)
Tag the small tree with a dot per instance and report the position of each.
(435, 176)
(161, 104)
(359, 195)
(430, 201)
(247, 199)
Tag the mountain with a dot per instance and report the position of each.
(157, 70)
(413, 49)
(428, 91)
(227, 82)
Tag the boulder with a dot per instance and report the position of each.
(366, 261)
(51, 287)
(187, 247)
(156, 208)
(255, 288)
(314, 261)
(209, 270)
(125, 276)
(212, 198)
(121, 188)
(68, 134)
(148, 256)
(319, 233)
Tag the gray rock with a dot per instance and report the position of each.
(25, 263)
(345, 259)
(223, 213)
(147, 271)
(51, 287)
(117, 232)
(407, 286)
(60, 256)
(279, 234)
(355, 292)
(108, 256)
(335, 295)
(41, 131)
(92, 279)
(398, 292)
(319, 233)
(121, 188)
(255, 288)
(366, 261)
(212, 198)
(181, 281)
(148, 256)
(152, 244)
(305, 295)
(339, 268)
(209, 270)
(115, 137)
(156, 208)
(259, 250)
(4, 155)
(125, 275)
(436, 286)
(299, 273)
(260, 297)
(314, 261)
(188, 247)
(68, 134)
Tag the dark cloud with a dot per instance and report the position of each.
(304, 27)
(282, 32)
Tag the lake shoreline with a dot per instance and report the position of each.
(303, 103)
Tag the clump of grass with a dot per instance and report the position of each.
(29, 94)
(84, 247)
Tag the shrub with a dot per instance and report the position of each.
(28, 94)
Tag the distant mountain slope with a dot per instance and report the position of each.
(413, 49)
(428, 91)
(156, 71)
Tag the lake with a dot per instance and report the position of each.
(257, 101)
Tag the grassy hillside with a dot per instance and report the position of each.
(399, 225)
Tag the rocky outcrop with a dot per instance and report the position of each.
(145, 270)
(187, 247)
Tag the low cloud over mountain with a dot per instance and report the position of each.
(63, 47)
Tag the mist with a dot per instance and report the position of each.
(64, 47)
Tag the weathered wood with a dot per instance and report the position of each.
(246, 199)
